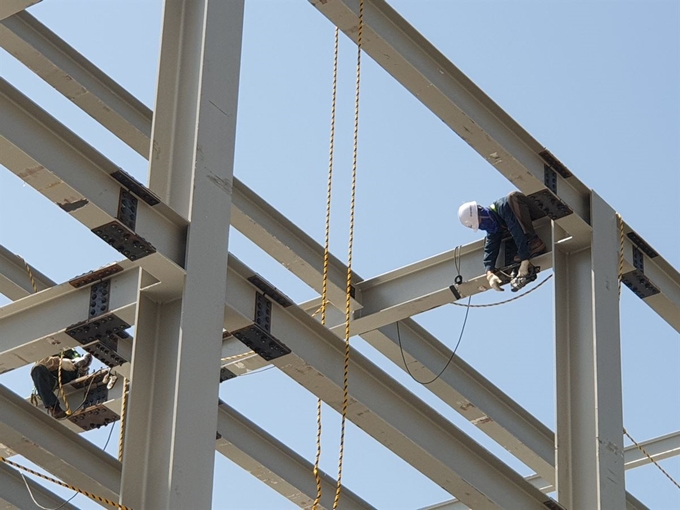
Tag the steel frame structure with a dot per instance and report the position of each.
(183, 295)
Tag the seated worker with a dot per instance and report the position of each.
(45, 375)
(515, 214)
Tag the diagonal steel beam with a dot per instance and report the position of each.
(273, 463)
(380, 406)
(30, 432)
(97, 94)
(15, 282)
(15, 492)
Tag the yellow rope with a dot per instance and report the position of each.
(348, 290)
(326, 256)
(650, 458)
(237, 356)
(123, 411)
(30, 275)
(68, 486)
(61, 386)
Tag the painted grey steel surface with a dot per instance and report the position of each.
(30, 432)
(14, 493)
(589, 436)
(14, 280)
(191, 170)
(287, 472)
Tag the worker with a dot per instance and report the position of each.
(45, 375)
(514, 213)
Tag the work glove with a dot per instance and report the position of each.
(524, 269)
(67, 364)
(494, 281)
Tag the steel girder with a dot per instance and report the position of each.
(423, 70)
(30, 432)
(15, 494)
(14, 280)
(106, 101)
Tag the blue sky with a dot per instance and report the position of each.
(596, 82)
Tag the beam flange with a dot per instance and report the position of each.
(382, 407)
(12, 7)
(30, 432)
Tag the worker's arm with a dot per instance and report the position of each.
(492, 246)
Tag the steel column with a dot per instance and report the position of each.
(589, 437)
(191, 170)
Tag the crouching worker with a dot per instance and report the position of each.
(45, 375)
(515, 214)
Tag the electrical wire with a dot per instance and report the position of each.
(453, 353)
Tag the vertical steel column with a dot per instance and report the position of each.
(589, 438)
(172, 420)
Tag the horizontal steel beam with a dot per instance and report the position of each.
(664, 279)
(15, 282)
(274, 464)
(422, 286)
(61, 166)
(424, 71)
(380, 406)
(34, 327)
(14, 490)
(46, 54)
(12, 7)
(97, 94)
(32, 433)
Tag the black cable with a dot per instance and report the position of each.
(462, 330)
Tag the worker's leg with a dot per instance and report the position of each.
(519, 204)
(44, 384)
(525, 210)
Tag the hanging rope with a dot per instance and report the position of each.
(348, 290)
(123, 412)
(326, 255)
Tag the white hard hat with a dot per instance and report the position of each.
(468, 215)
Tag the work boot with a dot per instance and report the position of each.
(57, 412)
(536, 247)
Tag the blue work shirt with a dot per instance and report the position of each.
(507, 222)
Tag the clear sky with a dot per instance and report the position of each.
(596, 82)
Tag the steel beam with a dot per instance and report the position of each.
(658, 448)
(34, 327)
(651, 277)
(381, 407)
(46, 54)
(53, 160)
(97, 94)
(30, 432)
(191, 169)
(15, 282)
(423, 70)
(12, 7)
(272, 462)
(15, 493)
(589, 437)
